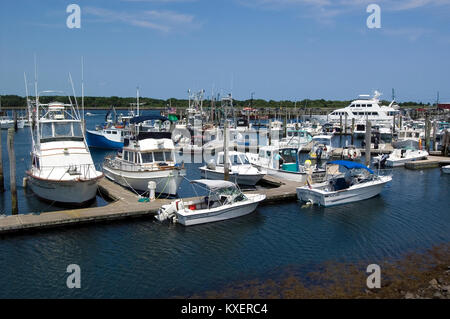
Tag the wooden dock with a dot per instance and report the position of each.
(430, 162)
(125, 205)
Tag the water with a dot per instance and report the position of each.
(145, 259)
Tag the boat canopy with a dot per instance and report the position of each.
(351, 165)
(143, 118)
(214, 185)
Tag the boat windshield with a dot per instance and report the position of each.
(289, 155)
(61, 130)
(238, 159)
(234, 192)
(322, 141)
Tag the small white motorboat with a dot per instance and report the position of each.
(401, 156)
(446, 169)
(240, 170)
(225, 201)
(358, 183)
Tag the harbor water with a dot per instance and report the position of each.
(145, 259)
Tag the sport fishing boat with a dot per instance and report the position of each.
(401, 156)
(62, 169)
(284, 163)
(358, 183)
(224, 201)
(240, 170)
(146, 157)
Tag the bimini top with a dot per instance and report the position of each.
(143, 118)
(351, 165)
(213, 184)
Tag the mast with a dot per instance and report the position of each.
(38, 135)
(29, 106)
(82, 89)
(137, 101)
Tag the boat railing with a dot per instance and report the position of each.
(134, 167)
(83, 171)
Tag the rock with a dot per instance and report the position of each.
(441, 280)
(409, 295)
(437, 295)
(433, 283)
(446, 289)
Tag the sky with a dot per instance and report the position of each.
(276, 49)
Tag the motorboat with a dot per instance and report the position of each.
(224, 201)
(284, 163)
(241, 171)
(62, 169)
(296, 138)
(146, 157)
(358, 183)
(321, 148)
(401, 156)
(351, 153)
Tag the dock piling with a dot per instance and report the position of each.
(368, 140)
(2, 180)
(12, 171)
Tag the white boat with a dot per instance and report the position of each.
(241, 171)
(146, 157)
(321, 148)
(295, 138)
(225, 201)
(446, 169)
(407, 138)
(62, 169)
(366, 107)
(284, 163)
(358, 183)
(401, 156)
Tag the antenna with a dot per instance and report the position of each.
(137, 98)
(393, 94)
(82, 87)
(74, 95)
(38, 135)
(30, 118)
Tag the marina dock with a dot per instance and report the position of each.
(125, 205)
(430, 162)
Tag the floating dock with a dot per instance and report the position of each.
(430, 162)
(125, 205)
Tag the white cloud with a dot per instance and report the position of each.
(160, 20)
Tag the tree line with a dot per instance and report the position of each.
(92, 102)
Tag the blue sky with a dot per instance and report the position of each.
(279, 49)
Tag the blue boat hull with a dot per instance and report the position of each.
(99, 141)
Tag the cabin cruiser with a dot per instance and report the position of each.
(62, 169)
(146, 157)
(241, 171)
(321, 148)
(284, 163)
(401, 156)
(366, 108)
(358, 183)
(224, 201)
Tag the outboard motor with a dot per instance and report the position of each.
(382, 162)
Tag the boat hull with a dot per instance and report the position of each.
(220, 215)
(241, 179)
(94, 139)
(74, 193)
(401, 162)
(345, 196)
(167, 181)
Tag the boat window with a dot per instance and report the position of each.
(114, 132)
(159, 156)
(244, 159)
(147, 157)
(289, 155)
(234, 160)
(131, 157)
(137, 158)
(125, 155)
(220, 159)
(358, 105)
(63, 129)
(352, 105)
(46, 130)
(369, 105)
(77, 130)
(168, 156)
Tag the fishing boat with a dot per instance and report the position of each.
(401, 156)
(224, 201)
(284, 163)
(358, 183)
(62, 170)
(241, 171)
(109, 135)
(146, 157)
(321, 148)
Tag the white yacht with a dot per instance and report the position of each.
(321, 147)
(358, 183)
(62, 169)
(284, 163)
(366, 107)
(146, 157)
(225, 201)
(401, 156)
(241, 171)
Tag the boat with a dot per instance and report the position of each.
(446, 169)
(224, 201)
(284, 163)
(110, 135)
(146, 157)
(241, 171)
(321, 148)
(351, 153)
(358, 183)
(296, 138)
(407, 138)
(366, 108)
(62, 170)
(401, 156)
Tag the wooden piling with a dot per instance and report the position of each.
(2, 180)
(368, 140)
(226, 168)
(353, 130)
(434, 136)
(340, 124)
(427, 133)
(12, 171)
(345, 124)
